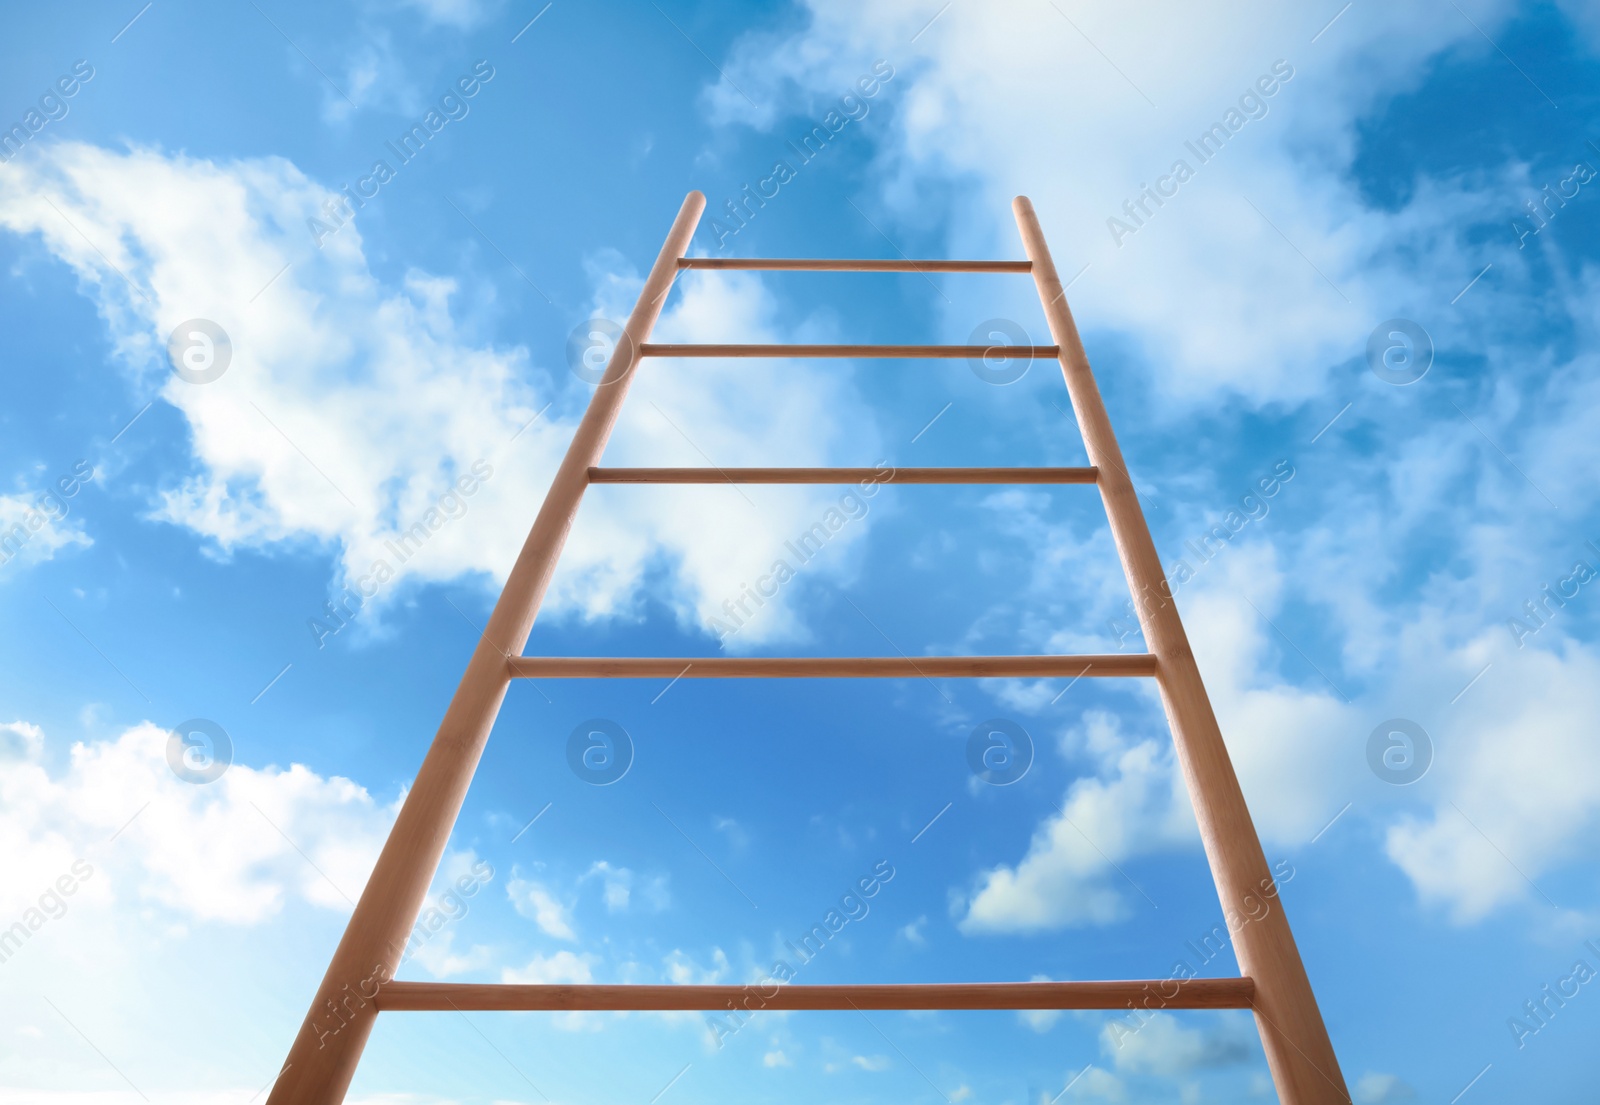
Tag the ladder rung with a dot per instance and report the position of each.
(987, 352)
(1194, 993)
(843, 475)
(828, 667)
(851, 264)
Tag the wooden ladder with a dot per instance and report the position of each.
(359, 982)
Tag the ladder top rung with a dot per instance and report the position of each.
(1194, 993)
(828, 667)
(851, 264)
(843, 475)
(655, 349)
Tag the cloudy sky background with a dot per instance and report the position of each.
(377, 360)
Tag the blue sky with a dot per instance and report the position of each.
(179, 542)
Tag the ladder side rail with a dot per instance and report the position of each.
(324, 1055)
(1299, 1053)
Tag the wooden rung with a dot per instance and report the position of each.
(955, 352)
(850, 264)
(828, 667)
(1194, 993)
(843, 475)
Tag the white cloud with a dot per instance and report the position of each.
(874, 1063)
(562, 966)
(1261, 272)
(1290, 745)
(440, 959)
(1067, 878)
(1373, 1088)
(1165, 1046)
(683, 970)
(352, 413)
(1290, 742)
(618, 885)
(20, 740)
(616, 882)
(1517, 774)
(33, 529)
(234, 850)
(535, 902)
(776, 1058)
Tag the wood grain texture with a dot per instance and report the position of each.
(843, 475)
(324, 1055)
(936, 352)
(850, 264)
(1119, 665)
(1299, 1053)
(1196, 993)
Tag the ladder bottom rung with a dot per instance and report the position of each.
(850, 264)
(843, 475)
(949, 352)
(1194, 993)
(829, 667)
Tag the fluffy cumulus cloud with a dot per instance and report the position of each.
(1517, 790)
(1257, 270)
(1067, 877)
(236, 850)
(561, 966)
(356, 418)
(1510, 793)
(1289, 745)
(133, 896)
(1290, 736)
(1163, 1044)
